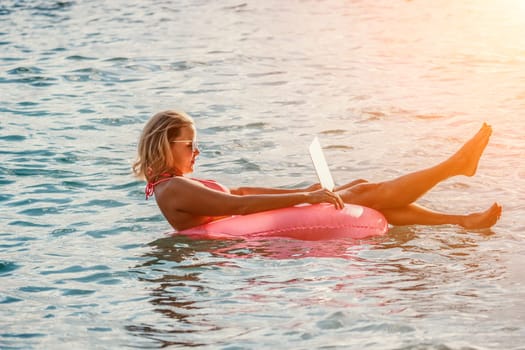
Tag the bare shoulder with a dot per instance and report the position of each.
(176, 186)
(180, 200)
(183, 181)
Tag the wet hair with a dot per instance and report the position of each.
(154, 155)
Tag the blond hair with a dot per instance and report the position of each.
(153, 152)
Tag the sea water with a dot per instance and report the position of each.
(388, 86)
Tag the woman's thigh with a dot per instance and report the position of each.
(365, 194)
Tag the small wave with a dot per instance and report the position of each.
(109, 232)
(265, 74)
(333, 132)
(117, 121)
(75, 269)
(79, 292)
(99, 277)
(274, 83)
(104, 203)
(236, 8)
(5, 197)
(36, 81)
(12, 59)
(248, 165)
(36, 289)
(6, 299)
(339, 147)
(429, 116)
(62, 232)
(42, 211)
(4, 11)
(24, 112)
(182, 65)
(12, 138)
(27, 103)
(40, 170)
(117, 59)
(23, 223)
(32, 201)
(91, 74)
(7, 266)
(80, 58)
(25, 70)
(22, 335)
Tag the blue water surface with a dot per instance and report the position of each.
(389, 86)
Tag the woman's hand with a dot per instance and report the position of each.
(325, 196)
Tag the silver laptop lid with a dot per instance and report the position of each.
(320, 165)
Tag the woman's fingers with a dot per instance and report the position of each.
(339, 204)
(331, 197)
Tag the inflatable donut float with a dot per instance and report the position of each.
(305, 222)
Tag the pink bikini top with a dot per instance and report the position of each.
(212, 184)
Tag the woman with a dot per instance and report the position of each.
(167, 151)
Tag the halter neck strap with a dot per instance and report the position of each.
(150, 186)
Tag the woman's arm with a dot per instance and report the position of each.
(193, 198)
(243, 191)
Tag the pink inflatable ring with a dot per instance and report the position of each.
(306, 222)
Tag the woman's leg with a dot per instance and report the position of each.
(414, 214)
(404, 190)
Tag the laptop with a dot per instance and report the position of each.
(320, 165)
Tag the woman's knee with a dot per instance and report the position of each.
(365, 194)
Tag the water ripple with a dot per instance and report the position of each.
(6, 267)
(36, 80)
(77, 292)
(81, 58)
(13, 138)
(25, 70)
(24, 223)
(36, 289)
(25, 112)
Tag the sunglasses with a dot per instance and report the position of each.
(190, 143)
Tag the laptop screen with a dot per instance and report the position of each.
(320, 165)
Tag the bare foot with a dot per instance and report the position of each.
(483, 219)
(467, 157)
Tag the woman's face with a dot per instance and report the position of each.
(184, 150)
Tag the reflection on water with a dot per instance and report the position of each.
(202, 288)
(171, 274)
